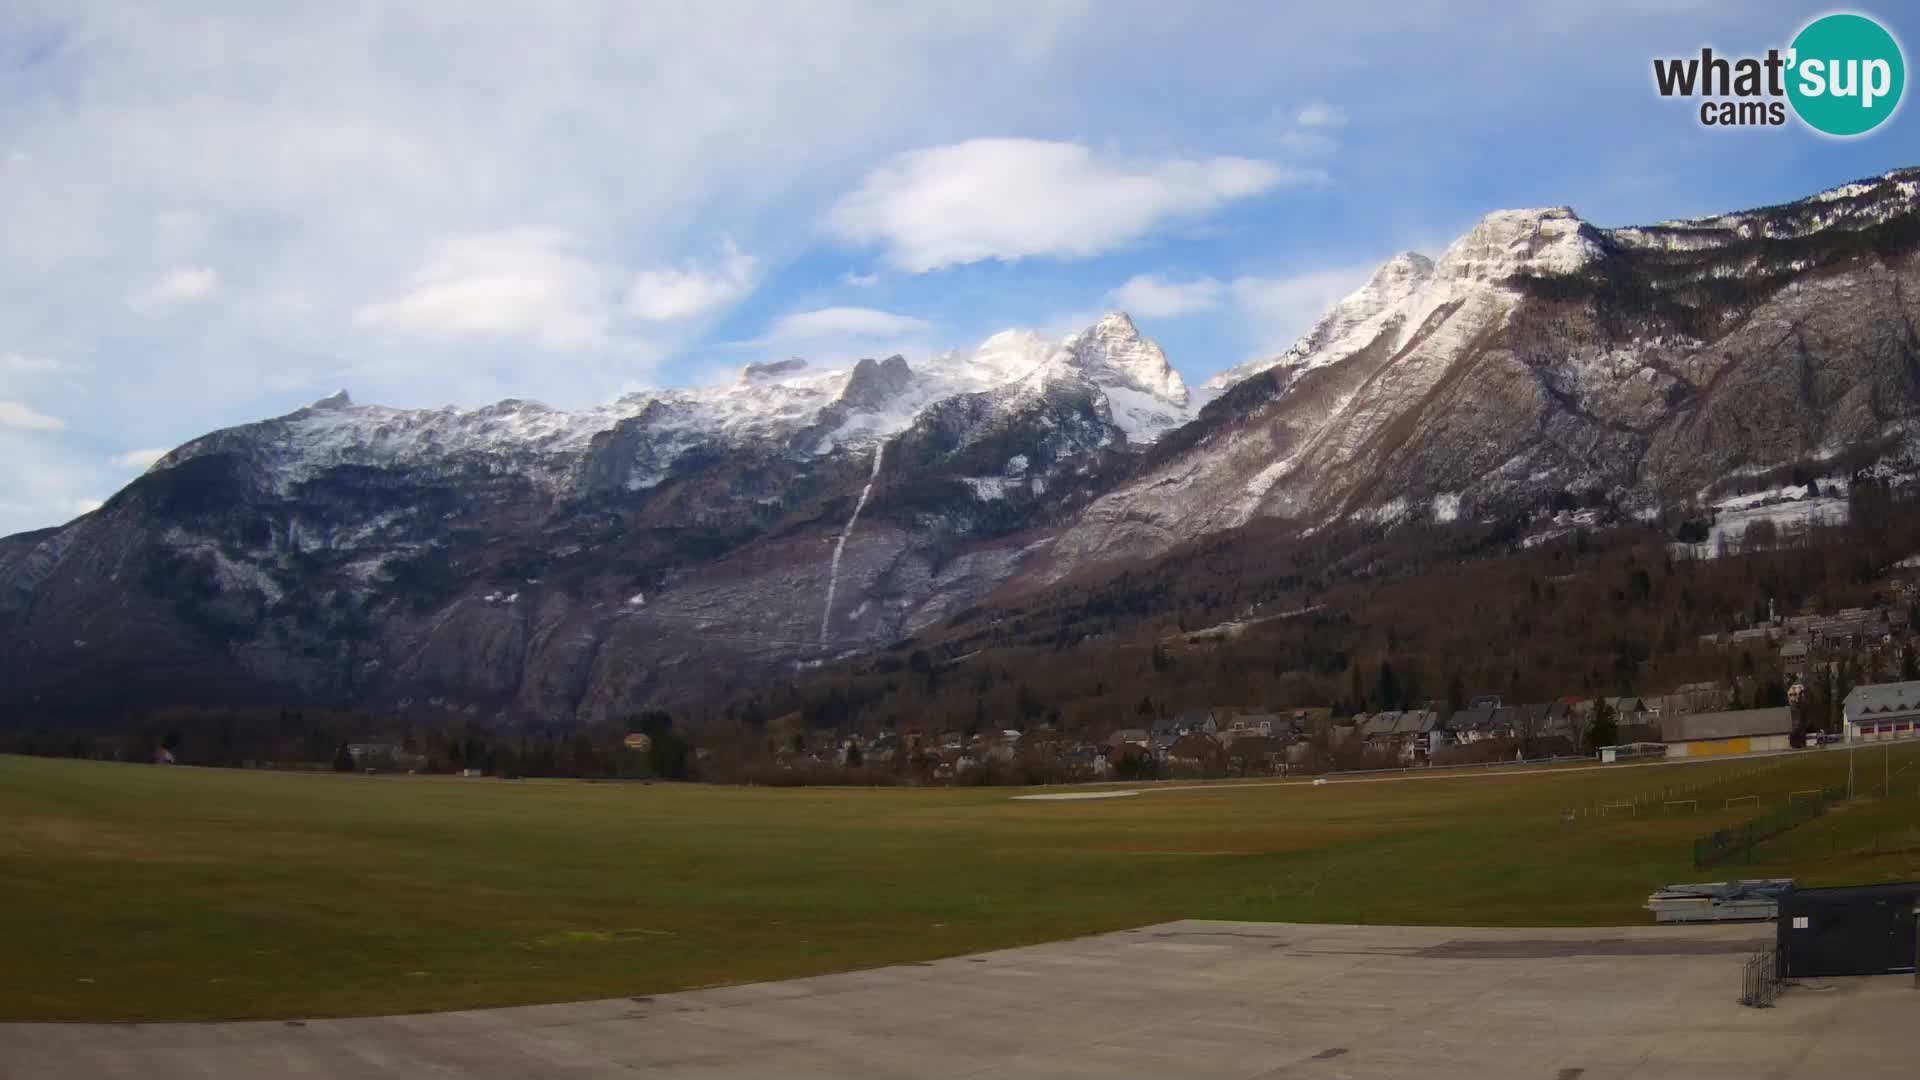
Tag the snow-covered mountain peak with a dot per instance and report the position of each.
(1511, 243)
(1005, 357)
(1397, 276)
(768, 404)
(1409, 288)
(874, 383)
(1114, 353)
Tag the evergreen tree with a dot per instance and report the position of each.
(1606, 726)
(1387, 691)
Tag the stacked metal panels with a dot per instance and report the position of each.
(1720, 901)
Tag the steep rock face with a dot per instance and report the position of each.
(1112, 352)
(873, 384)
(1539, 354)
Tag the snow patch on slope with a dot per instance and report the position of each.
(840, 546)
(771, 403)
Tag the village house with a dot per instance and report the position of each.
(1411, 735)
(1418, 734)
(1794, 655)
(1090, 759)
(1688, 698)
(1626, 710)
(1259, 723)
(882, 750)
(1633, 722)
(1256, 755)
(1001, 751)
(1481, 723)
(949, 762)
(1196, 751)
(1197, 722)
(1545, 728)
(1882, 712)
(1378, 731)
(1477, 722)
(1123, 754)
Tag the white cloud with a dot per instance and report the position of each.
(24, 364)
(138, 459)
(86, 506)
(527, 283)
(860, 281)
(1320, 116)
(176, 287)
(1156, 298)
(837, 334)
(1010, 199)
(19, 417)
(844, 323)
(670, 295)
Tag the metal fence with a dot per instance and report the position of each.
(1827, 844)
(1738, 842)
(1679, 798)
(1760, 983)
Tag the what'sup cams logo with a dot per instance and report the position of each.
(1842, 75)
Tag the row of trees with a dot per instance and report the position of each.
(290, 738)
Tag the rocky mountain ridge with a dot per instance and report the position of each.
(1541, 354)
(519, 563)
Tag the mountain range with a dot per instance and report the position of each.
(517, 563)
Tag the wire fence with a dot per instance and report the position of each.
(1736, 844)
(1760, 981)
(1676, 799)
(1828, 844)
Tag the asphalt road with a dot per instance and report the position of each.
(1186, 999)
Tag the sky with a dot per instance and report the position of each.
(214, 213)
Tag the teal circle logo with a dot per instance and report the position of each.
(1845, 74)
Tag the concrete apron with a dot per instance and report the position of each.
(1184, 999)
